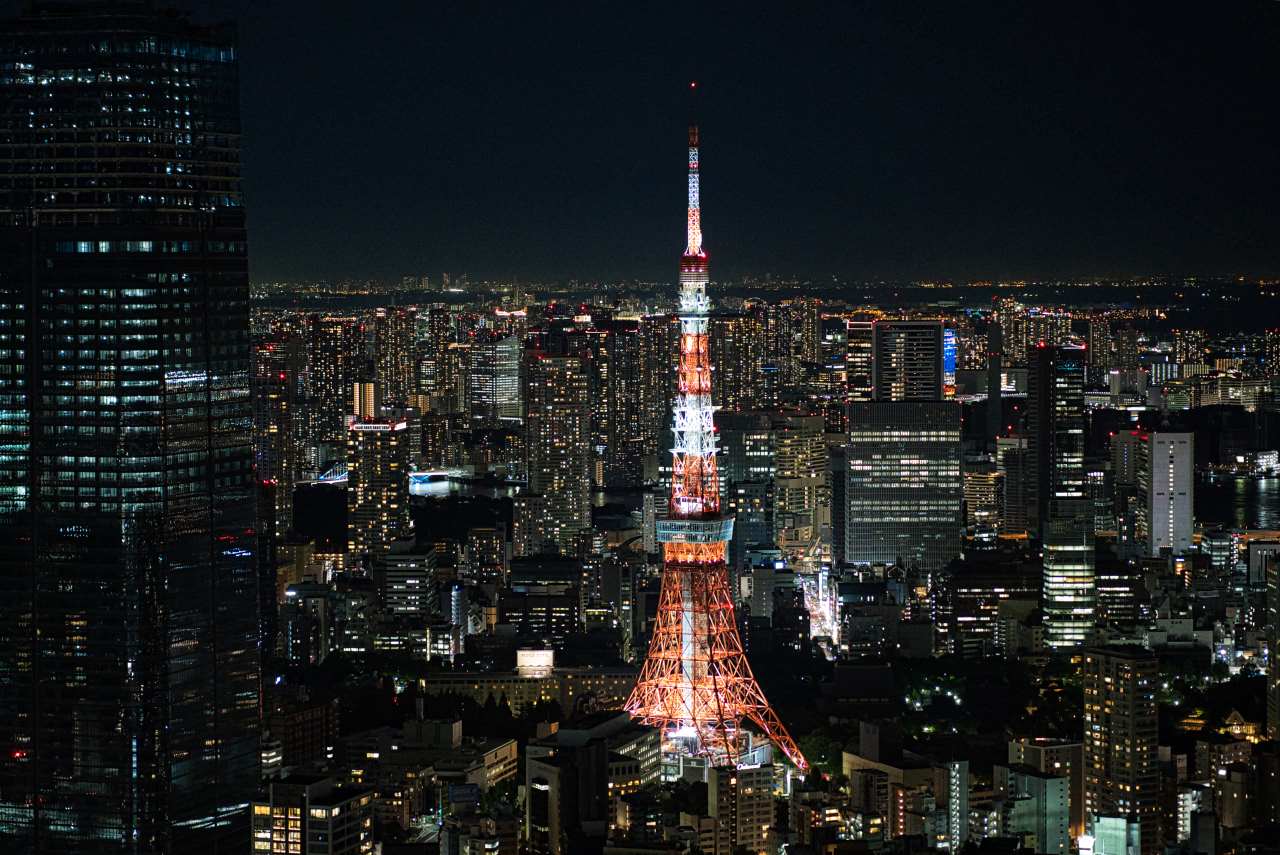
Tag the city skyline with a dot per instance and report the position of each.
(443, 561)
(910, 140)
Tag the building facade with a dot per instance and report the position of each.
(1061, 511)
(903, 488)
(1121, 771)
(557, 441)
(907, 360)
(1166, 484)
(129, 665)
(377, 487)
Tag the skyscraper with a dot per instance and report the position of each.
(1037, 807)
(377, 486)
(903, 488)
(557, 427)
(1014, 463)
(1062, 512)
(738, 350)
(1271, 574)
(907, 361)
(1049, 328)
(858, 360)
(1190, 346)
(1124, 348)
(1100, 344)
(800, 495)
(1166, 482)
(1121, 772)
(793, 340)
(616, 370)
(494, 381)
(333, 363)
(658, 336)
(129, 709)
(435, 335)
(747, 456)
(1056, 757)
(742, 803)
(393, 337)
(995, 383)
(1271, 354)
(903, 494)
(277, 420)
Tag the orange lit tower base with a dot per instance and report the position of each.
(696, 684)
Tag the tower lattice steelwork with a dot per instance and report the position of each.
(696, 684)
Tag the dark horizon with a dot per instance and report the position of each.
(867, 141)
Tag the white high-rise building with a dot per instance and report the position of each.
(1168, 481)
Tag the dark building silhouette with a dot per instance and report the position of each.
(129, 661)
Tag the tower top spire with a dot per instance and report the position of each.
(693, 248)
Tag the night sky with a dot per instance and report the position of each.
(866, 140)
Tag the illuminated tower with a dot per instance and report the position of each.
(696, 684)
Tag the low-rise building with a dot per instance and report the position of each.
(313, 815)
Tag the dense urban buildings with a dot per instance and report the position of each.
(432, 561)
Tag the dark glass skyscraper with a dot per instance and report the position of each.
(129, 677)
(1061, 509)
(903, 486)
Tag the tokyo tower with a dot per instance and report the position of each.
(696, 684)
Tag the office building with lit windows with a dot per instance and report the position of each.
(1121, 770)
(129, 662)
(313, 815)
(903, 495)
(1061, 510)
(493, 385)
(377, 487)
(801, 500)
(907, 360)
(1271, 577)
(741, 801)
(738, 343)
(277, 420)
(1056, 757)
(334, 346)
(557, 424)
(1166, 488)
(394, 331)
(859, 358)
(617, 423)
